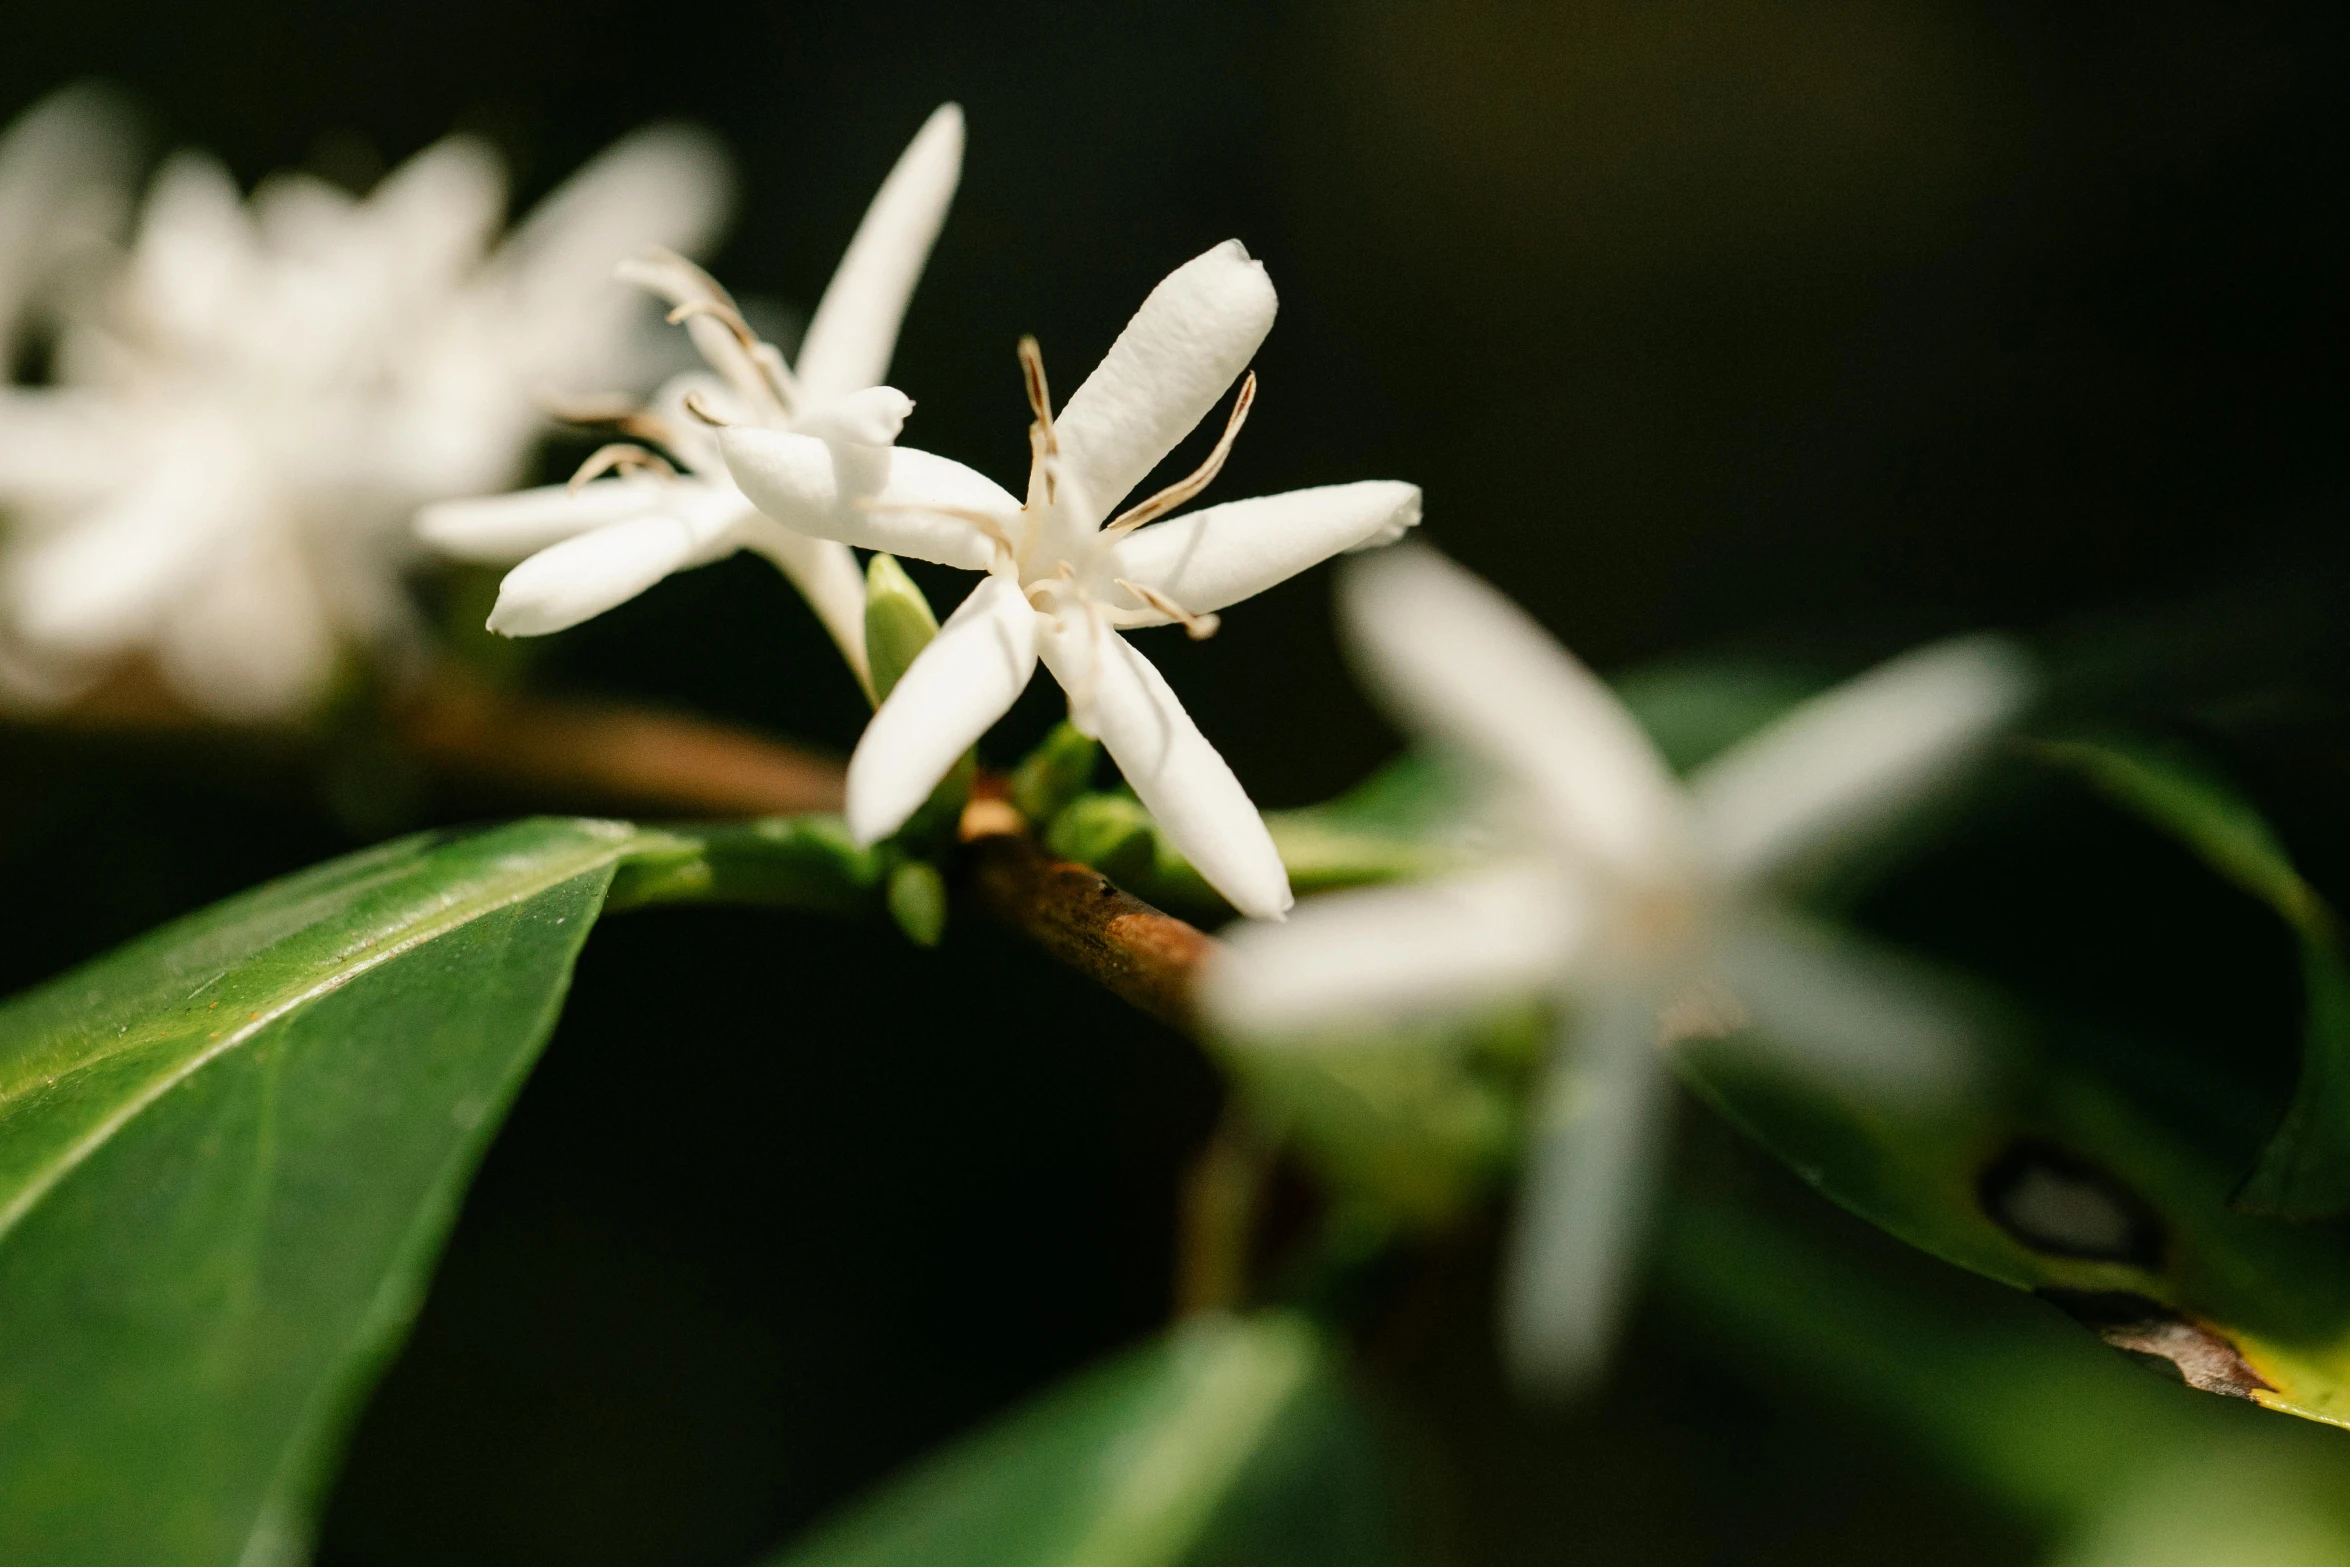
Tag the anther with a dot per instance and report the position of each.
(1200, 478)
(1040, 396)
(1197, 627)
(619, 457)
(699, 406)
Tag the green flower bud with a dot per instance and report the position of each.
(918, 901)
(1054, 774)
(898, 622)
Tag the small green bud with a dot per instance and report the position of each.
(898, 622)
(1110, 832)
(918, 901)
(1053, 774)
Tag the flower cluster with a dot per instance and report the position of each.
(260, 403)
(252, 396)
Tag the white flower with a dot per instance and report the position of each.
(257, 396)
(65, 170)
(1642, 903)
(591, 546)
(1061, 583)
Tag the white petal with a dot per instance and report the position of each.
(1169, 764)
(502, 528)
(871, 497)
(1383, 953)
(1846, 761)
(872, 417)
(59, 446)
(571, 325)
(1454, 659)
(1844, 1012)
(955, 689)
(64, 176)
(1206, 559)
(584, 576)
(855, 328)
(98, 585)
(1591, 1171)
(196, 252)
(253, 643)
(827, 576)
(435, 214)
(1189, 342)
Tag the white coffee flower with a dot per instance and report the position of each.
(1061, 583)
(593, 545)
(65, 173)
(259, 394)
(1644, 905)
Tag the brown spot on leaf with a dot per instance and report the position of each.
(2061, 1205)
(2168, 1341)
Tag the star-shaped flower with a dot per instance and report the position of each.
(594, 545)
(1064, 576)
(250, 406)
(1643, 904)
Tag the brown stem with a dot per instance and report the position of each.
(635, 756)
(616, 755)
(1140, 955)
(610, 756)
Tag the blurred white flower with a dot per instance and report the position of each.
(251, 402)
(1061, 583)
(65, 172)
(1642, 904)
(593, 545)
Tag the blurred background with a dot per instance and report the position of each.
(1813, 328)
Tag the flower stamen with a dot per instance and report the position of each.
(622, 457)
(624, 413)
(696, 293)
(1043, 444)
(699, 406)
(1200, 478)
(1197, 627)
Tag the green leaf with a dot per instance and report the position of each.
(1997, 1392)
(2042, 1174)
(2305, 1170)
(1230, 1440)
(800, 862)
(228, 1155)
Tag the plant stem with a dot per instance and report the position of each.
(1144, 957)
(625, 755)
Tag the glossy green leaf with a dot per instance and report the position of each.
(2001, 1396)
(800, 862)
(2042, 1174)
(1230, 1440)
(2305, 1170)
(228, 1155)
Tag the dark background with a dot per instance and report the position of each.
(1818, 326)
